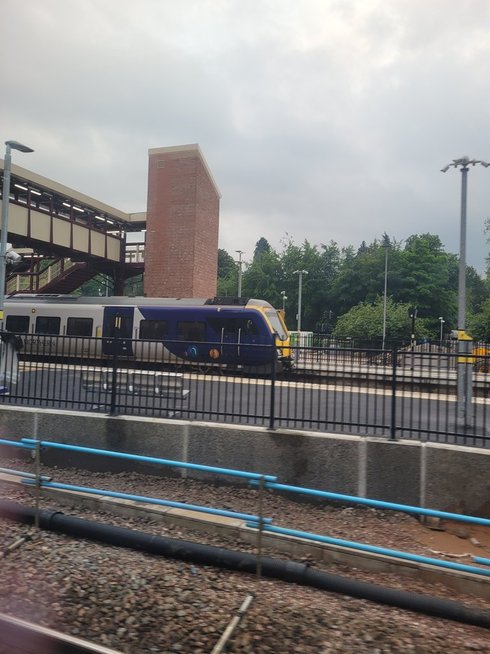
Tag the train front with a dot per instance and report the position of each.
(277, 325)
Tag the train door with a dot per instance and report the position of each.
(241, 337)
(117, 327)
(231, 336)
(228, 334)
(254, 335)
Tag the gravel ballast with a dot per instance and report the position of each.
(138, 603)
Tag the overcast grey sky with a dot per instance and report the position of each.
(319, 119)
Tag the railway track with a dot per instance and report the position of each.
(237, 529)
(186, 586)
(22, 637)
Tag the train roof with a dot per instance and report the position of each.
(54, 298)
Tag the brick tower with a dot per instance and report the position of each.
(182, 220)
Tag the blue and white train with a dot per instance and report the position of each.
(233, 332)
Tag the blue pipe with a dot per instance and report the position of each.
(151, 459)
(149, 500)
(372, 548)
(3, 441)
(479, 559)
(378, 503)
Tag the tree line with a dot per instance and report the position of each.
(343, 292)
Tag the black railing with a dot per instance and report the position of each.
(394, 394)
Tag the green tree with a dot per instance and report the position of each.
(262, 279)
(428, 277)
(226, 264)
(101, 285)
(261, 247)
(361, 274)
(134, 286)
(227, 275)
(419, 273)
(321, 264)
(365, 321)
(476, 290)
(479, 323)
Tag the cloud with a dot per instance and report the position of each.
(320, 119)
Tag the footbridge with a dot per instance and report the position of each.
(68, 237)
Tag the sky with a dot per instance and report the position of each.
(324, 120)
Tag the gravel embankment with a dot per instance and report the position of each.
(137, 603)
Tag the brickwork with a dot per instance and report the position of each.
(182, 224)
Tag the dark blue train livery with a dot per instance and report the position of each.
(235, 332)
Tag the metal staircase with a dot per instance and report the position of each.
(60, 276)
(63, 275)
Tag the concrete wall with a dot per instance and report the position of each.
(437, 476)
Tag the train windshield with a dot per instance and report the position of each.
(276, 323)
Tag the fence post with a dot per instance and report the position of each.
(394, 356)
(260, 530)
(38, 482)
(273, 389)
(113, 408)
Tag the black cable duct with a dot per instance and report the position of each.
(289, 571)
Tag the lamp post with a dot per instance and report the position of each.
(239, 262)
(284, 298)
(10, 145)
(386, 245)
(300, 291)
(442, 321)
(464, 370)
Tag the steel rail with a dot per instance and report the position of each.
(28, 638)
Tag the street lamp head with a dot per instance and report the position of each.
(464, 162)
(15, 145)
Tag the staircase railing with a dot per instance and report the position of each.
(34, 281)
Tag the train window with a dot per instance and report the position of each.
(233, 326)
(79, 326)
(228, 325)
(250, 327)
(47, 325)
(153, 330)
(120, 326)
(276, 323)
(17, 324)
(191, 330)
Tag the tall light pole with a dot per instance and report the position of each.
(7, 164)
(464, 369)
(239, 262)
(442, 321)
(386, 245)
(284, 298)
(300, 292)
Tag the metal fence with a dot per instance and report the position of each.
(405, 393)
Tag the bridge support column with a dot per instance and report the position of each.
(118, 280)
